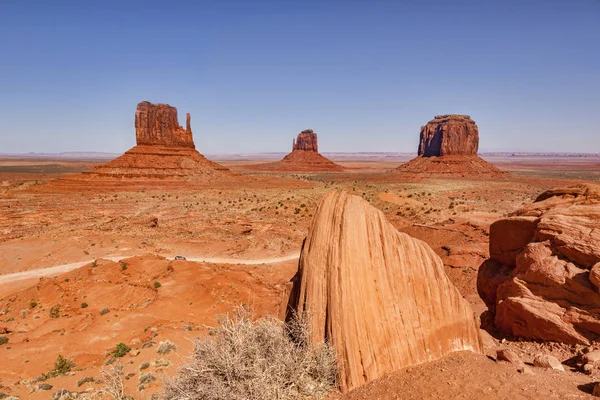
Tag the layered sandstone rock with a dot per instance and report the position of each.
(304, 157)
(448, 146)
(380, 297)
(448, 135)
(541, 279)
(157, 124)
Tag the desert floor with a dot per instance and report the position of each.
(109, 247)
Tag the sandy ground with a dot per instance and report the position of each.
(246, 241)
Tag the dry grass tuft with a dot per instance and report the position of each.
(265, 359)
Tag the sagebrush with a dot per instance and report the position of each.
(265, 359)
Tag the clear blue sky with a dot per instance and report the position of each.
(365, 75)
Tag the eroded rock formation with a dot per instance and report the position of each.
(448, 146)
(448, 135)
(541, 279)
(380, 297)
(305, 157)
(157, 124)
(307, 141)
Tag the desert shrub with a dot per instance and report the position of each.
(55, 311)
(105, 310)
(165, 347)
(3, 340)
(144, 366)
(85, 380)
(157, 284)
(265, 359)
(123, 266)
(33, 304)
(62, 365)
(147, 378)
(84, 305)
(121, 350)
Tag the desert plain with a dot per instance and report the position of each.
(83, 268)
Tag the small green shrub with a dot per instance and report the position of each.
(33, 304)
(104, 311)
(62, 365)
(157, 284)
(123, 266)
(84, 305)
(3, 340)
(55, 311)
(121, 350)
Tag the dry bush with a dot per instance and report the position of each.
(265, 359)
(114, 382)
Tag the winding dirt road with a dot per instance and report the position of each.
(59, 269)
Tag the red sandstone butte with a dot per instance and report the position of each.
(448, 146)
(157, 124)
(447, 135)
(304, 157)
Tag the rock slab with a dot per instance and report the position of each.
(379, 296)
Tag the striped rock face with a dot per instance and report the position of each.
(449, 135)
(157, 124)
(380, 297)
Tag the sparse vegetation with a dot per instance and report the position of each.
(84, 305)
(104, 311)
(3, 340)
(32, 304)
(157, 284)
(114, 386)
(54, 311)
(242, 359)
(62, 365)
(165, 347)
(121, 350)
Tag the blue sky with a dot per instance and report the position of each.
(365, 75)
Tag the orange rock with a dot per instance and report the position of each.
(380, 297)
(541, 281)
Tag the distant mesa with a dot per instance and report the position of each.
(448, 145)
(305, 157)
(379, 296)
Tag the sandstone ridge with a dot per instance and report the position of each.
(380, 297)
(541, 281)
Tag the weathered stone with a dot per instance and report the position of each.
(596, 391)
(539, 280)
(509, 356)
(595, 275)
(354, 260)
(448, 135)
(588, 369)
(549, 362)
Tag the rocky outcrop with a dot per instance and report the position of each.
(380, 297)
(541, 279)
(449, 135)
(157, 124)
(306, 141)
(304, 157)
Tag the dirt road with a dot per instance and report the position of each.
(59, 269)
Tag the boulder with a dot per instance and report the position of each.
(509, 356)
(447, 135)
(547, 361)
(542, 276)
(379, 296)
